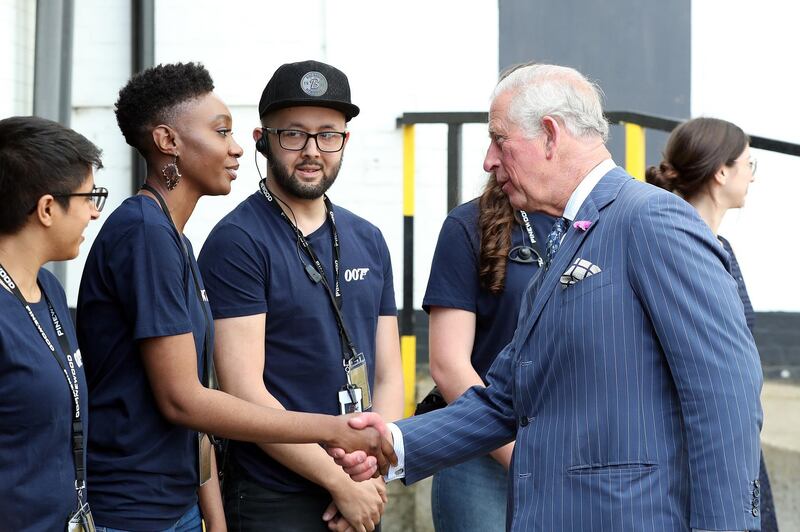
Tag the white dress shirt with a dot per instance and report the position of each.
(585, 188)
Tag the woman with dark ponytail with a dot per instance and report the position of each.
(485, 257)
(707, 162)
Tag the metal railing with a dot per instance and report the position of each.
(634, 123)
(454, 121)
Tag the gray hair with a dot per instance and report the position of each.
(557, 91)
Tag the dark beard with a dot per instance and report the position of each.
(291, 185)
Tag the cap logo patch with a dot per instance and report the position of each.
(314, 84)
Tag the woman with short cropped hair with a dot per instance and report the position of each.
(48, 198)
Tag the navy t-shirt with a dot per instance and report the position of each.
(136, 285)
(454, 280)
(251, 266)
(37, 471)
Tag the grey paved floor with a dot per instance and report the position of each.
(780, 440)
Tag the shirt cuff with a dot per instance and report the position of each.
(398, 471)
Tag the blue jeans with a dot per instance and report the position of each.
(190, 522)
(470, 496)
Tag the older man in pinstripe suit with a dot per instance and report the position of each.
(632, 383)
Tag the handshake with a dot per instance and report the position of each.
(362, 445)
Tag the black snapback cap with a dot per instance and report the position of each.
(307, 83)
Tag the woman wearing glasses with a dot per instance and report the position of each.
(485, 257)
(48, 199)
(145, 328)
(707, 162)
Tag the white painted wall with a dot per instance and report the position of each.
(744, 70)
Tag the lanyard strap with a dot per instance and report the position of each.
(209, 378)
(70, 375)
(528, 227)
(306, 245)
(335, 295)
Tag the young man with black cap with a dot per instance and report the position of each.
(305, 317)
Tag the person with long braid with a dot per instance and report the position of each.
(486, 255)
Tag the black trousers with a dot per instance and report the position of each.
(250, 507)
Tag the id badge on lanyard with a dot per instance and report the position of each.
(350, 400)
(355, 395)
(204, 450)
(81, 520)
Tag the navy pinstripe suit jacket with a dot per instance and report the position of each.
(633, 395)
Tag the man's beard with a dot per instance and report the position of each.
(293, 186)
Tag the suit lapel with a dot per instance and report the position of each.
(603, 193)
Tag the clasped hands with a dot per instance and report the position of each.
(365, 448)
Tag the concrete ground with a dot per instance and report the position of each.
(409, 508)
(780, 439)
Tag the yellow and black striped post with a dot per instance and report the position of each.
(407, 121)
(634, 150)
(408, 338)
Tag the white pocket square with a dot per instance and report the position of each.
(578, 271)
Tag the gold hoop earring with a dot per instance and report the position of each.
(172, 175)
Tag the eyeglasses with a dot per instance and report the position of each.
(296, 140)
(753, 164)
(98, 195)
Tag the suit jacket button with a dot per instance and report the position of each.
(755, 512)
(523, 421)
(756, 493)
